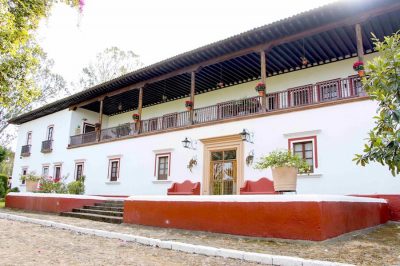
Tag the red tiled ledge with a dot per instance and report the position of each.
(305, 217)
(47, 202)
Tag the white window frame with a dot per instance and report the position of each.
(76, 169)
(48, 131)
(54, 170)
(23, 182)
(293, 141)
(110, 161)
(157, 157)
(48, 170)
(29, 140)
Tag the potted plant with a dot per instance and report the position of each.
(359, 67)
(285, 166)
(189, 105)
(135, 117)
(31, 181)
(260, 88)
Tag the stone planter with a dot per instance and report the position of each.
(285, 178)
(31, 186)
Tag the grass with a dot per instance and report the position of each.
(2, 203)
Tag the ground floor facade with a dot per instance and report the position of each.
(216, 156)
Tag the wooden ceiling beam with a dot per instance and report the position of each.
(261, 47)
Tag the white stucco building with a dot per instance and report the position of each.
(316, 108)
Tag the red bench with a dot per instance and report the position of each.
(261, 186)
(185, 188)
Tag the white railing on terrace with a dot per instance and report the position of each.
(331, 90)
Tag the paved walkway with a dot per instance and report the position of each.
(378, 247)
(31, 244)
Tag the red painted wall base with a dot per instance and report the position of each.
(393, 204)
(309, 220)
(55, 204)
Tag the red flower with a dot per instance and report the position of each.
(188, 103)
(358, 65)
(260, 86)
(135, 116)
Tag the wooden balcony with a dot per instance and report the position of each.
(47, 146)
(311, 94)
(26, 151)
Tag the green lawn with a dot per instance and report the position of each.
(2, 203)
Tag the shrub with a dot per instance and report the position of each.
(76, 187)
(2, 189)
(31, 176)
(14, 189)
(50, 185)
(4, 184)
(282, 158)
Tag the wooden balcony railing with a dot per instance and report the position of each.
(26, 150)
(47, 146)
(310, 94)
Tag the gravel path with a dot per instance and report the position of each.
(31, 244)
(380, 246)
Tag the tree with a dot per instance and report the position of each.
(19, 50)
(109, 64)
(51, 86)
(6, 161)
(383, 85)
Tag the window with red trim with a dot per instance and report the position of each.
(305, 151)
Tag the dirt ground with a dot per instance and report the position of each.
(379, 246)
(31, 244)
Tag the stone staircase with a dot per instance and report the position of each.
(108, 211)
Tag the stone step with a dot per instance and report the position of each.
(94, 217)
(105, 208)
(110, 204)
(101, 212)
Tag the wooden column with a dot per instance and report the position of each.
(140, 104)
(140, 107)
(263, 78)
(360, 48)
(192, 92)
(100, 120)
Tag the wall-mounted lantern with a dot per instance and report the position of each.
(245, 135)
(188, 143)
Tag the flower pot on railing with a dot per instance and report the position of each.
(260, 88)
(189, 105)
(135, 118)
(359, 67)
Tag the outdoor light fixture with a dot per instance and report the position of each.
(120, 107)
(246, 136)
(188, 144)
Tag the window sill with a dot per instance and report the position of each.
(313, 175)
(162, 181)
(112, 183)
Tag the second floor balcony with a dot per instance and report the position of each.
(47, 146)
(312, 94)
(26, 151)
